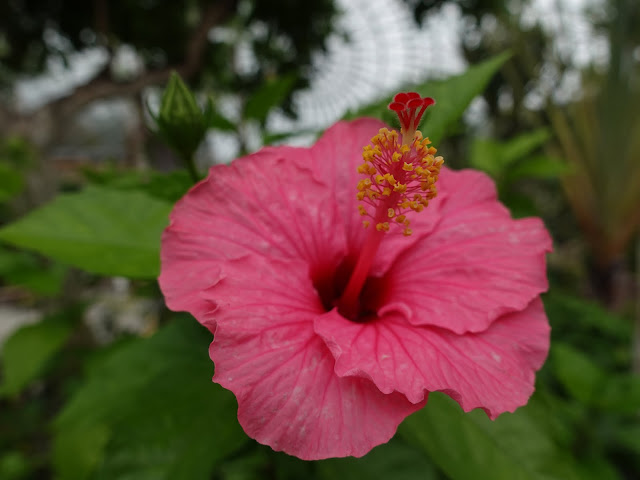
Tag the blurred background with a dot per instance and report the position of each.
(543, 95)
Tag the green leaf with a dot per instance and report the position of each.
(18, 153)
(484, 155)
(620, 393)
(268, 96)
(155, 402)
(11, 182)
(580, 376)
(27, 270)
(165, 186)
(14, 465)
(395, 460)
(499, 158)
(453, 95)
(523, 145)
(469, 446)
(565, 310)
(28, 351)
(538, 166)
(79, 451)
(102, 231)
(628, 435)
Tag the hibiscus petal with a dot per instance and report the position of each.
(282, 373)
(336, 157)
(493, 370)
(266, 204)
(476, 265)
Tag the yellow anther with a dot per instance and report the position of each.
(367, 154)
(364, 184)
(417, 170)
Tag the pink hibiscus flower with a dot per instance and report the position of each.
(330, 334)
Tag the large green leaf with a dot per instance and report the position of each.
(27, 352)
(99, 230)
(150, 411)
(468, 446)
(164, 186)
(453, 95)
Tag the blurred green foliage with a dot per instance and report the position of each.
(29, 351)
(149, 410)
(145, 407)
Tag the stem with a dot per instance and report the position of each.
(190, 162)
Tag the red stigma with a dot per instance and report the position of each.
(410, 107)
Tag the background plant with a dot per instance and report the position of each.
(111, 399)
